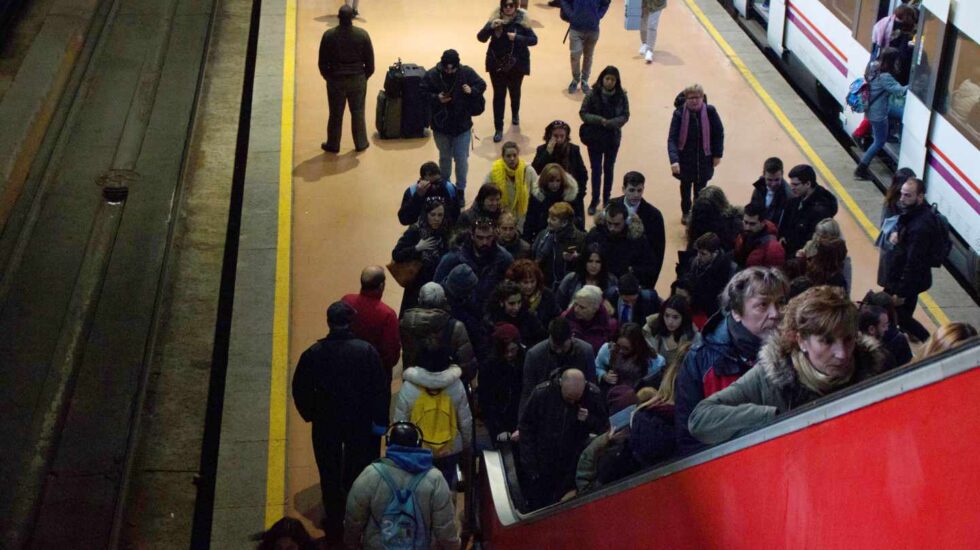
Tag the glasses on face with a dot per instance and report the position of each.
(508, 6)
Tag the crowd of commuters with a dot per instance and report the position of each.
(517, 319)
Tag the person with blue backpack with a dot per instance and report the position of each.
(401, 501)
(882, 87)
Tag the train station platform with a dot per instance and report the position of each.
(312, 220)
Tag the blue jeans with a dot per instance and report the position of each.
(454, 149)
(879, 132)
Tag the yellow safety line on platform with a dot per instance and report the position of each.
(275, 487)
(872, 231)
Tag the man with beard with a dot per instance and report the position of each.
(730, 342)
(558, 148)
(510, 238)
(758, 243)
(556, 248)
(488, 260)
(623, 244)
(653, 221)
(557, 353)
(907, 267)
(810, 204)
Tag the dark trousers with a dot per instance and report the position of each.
(503, 83)
(687, 198)
(905, 319)
(343, 91)
(340, 460)
(602, 162)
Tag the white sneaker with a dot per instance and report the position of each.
(648, 56)
(644, 49)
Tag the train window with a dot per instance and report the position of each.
(845, 10)
(925, 61)
(961, 106)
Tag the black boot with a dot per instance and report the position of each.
(862, 172)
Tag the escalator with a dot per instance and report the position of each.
(890, 463)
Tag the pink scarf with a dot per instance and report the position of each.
(705, 130)
(882, 31)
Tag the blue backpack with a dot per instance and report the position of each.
(859, 95)
(402, 525)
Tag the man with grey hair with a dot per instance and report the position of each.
(340, 387)
(430, 326)
(553, 430)
(752, 303)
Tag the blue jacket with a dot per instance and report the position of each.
(710, 366)
(489, 270)
(584, 15)
(883, 87)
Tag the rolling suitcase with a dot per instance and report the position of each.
(403, 84)
(388, 116)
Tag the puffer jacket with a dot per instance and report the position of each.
(622, 253)
(541, 200)
(417, 380)
(501, 45)
(489, 269)
(424, 328)
(771, 388)
(370, 495)
(584, 15)
(760, 250)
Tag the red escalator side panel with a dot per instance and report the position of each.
(902, 473)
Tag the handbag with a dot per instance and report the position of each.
(592, 135)
(405, 273)
(887, 226)
(504, 64)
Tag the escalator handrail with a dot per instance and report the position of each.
(911, 377)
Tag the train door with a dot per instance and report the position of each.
(921, 98)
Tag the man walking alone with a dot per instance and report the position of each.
(346, 62)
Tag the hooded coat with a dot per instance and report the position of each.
(489, 268)
(417, 380)
(654, 231)
(541, 200)
(628, 251)
(455, 117)
(571, 160)
(770, 389)
(425, 327)
(369, 497)
(501, 46)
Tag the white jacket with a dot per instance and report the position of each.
(417, 378)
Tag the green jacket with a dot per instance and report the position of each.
(770, 388)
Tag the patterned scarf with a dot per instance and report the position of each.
(501, 176)
(705, 129)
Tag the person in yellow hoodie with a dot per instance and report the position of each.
(515, 178)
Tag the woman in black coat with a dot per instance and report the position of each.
(695, 144)
(604, 112)
(559, 149)
(426, 240)
(508, 59)
(501, 376)
(507, 306)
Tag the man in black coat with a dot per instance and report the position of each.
(810, 204)
(554, 428)
(429, 184)
(624, 246)
(488, 260)
(455, 95)
(695, 145)
(559, 149)
(771, 192)
(632, 303)
(559, 352)
(653, 221)
(346, 62)
(341, 387)
(907, 269)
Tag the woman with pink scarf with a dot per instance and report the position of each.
(695, 144)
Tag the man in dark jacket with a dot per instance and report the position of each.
(771, 191)
(488, 260)
(376, 323)
(810, 204)
(874, 322)
(907, 269)
(554, 428)
(632, 303)
(583, 18)
(559, 352)
(695, 145)
(623, 244)
(340, 386)
(557, 247)
(653, 221)
(455, 94)
(729, 343)
(559, 149)
(429, 184)
(346, 62)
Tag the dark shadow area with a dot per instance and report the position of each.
(661, 57)
(399, 144)
(326, 164)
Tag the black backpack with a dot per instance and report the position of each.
(939, 252)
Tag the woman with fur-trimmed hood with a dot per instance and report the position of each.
(817, 351)
(508, 59)
(554, 185)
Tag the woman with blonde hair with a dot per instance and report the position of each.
(554, 185)
(947, 337)
(817, 351)
(828, 231)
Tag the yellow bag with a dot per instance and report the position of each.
(433, 413)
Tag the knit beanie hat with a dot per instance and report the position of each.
(461, 281)
(620, 397)
(450, 58)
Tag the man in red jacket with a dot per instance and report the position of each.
(758, 244)
(375, 322)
